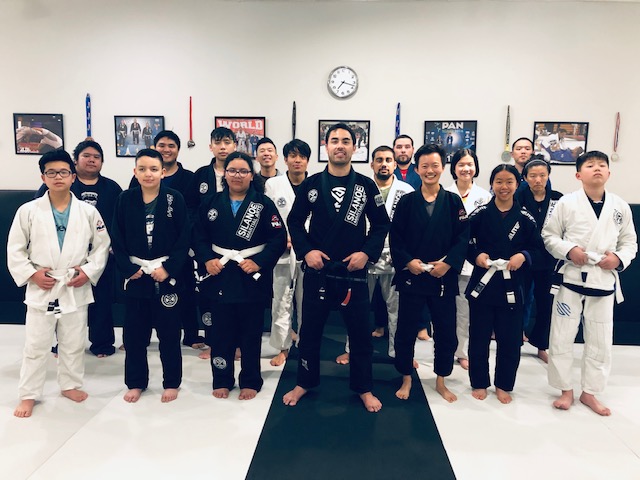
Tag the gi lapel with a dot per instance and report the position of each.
(345, 214)
(599, 236)
(47, 232)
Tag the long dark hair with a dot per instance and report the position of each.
(256, 182)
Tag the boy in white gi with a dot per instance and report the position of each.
(592, 231)
(58, 270)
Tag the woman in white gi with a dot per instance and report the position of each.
(57, 246)
(464, 168)
(239, 237)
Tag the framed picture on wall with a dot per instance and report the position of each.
(37, 133)
(135, 132)
(452, 135)
(248, 131)
(362, 129)
(561, 143)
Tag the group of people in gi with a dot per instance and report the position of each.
(227, 242)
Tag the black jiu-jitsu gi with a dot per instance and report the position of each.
(338, 234)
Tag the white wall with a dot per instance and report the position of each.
(442, 60)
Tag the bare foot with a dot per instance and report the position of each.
(415, 364)
(247, 394)
(238, 354)
(565, 400)
(405, 388)
(525, 339)
(503, 396)
(423, 335)
(75, 395)
(293, 397)
(371, 402)
(220, 392)
(198, 346)
(24, 408)
(101, 355)
(280, 358)
(133, 395)
(479, 393)
(169, 395)
(343, 359)
(464, 363)
(592, 402)
(543, 355)
(205, 354)
(444, 391)
(378, 332)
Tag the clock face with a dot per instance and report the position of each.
(343, 82)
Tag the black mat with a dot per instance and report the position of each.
(329, 434)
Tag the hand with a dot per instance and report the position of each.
(515, 262)
(249, 266)
(288, 242)
(214, 267)
(159, 274)
(41, 279)
(314, 259)
(481, 260)
(609, 262)
(79, 278)
(415, 267)
(357, 261)
(136, 275)
(439, 269)
(578, 256)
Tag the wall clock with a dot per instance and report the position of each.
(343, 82)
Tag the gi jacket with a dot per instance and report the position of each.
(345, 232)
(256, 223)
(171, 237)
(502, 238)
(444, 235)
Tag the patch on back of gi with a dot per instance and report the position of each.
(219, 362)
(169, 300)
(563, 309)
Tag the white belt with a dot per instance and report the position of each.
(427, 267)
(593, 258)
(61, 292)
(495, 265)
(148, 266)
(238, 255)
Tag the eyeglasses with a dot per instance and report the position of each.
(53, 173)
(234, 172)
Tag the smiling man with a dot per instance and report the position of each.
(267, 156)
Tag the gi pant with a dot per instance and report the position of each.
(71, 329)
(356, 318)
(542, 280)
(237, 324)
(282, 305)
(101, 333)
(142, 315)
(443, 310)
(189, 306)
(462, 318)
(506, 322)
(597, 318)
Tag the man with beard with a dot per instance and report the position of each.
(403, 149)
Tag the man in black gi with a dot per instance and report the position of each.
(335, 251)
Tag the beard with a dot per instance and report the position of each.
(384, 176)
(402, 162)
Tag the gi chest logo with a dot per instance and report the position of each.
(204, 187)
(281, 202)
(169, 300)
(462, 214)
(312, 195)
(212, 214)
(275, 222)
(206, 319)
(219, 362)
(379, 200)
(617, 217)
(100, 226)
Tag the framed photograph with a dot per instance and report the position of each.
(248, 130)
(452, 135)
(135, 132)
(37, 133)
(362, 129)
(561, 143)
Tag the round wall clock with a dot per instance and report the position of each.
(342, 82)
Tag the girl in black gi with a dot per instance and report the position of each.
(150, 240)
(503, 237)
(239, 237)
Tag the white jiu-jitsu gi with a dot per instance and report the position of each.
(33, 245)
(287, 274)
(477, 196)
(574, 223)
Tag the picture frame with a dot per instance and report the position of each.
(451, 135)
(248, 131)
(135, 132)
(560, 143)
(37, 133)
(362, 129)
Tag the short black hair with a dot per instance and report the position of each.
(82, 146)
(300, 147)
(58, 155)
(400, 137)
(340, 126)
(459, 155)
(502, 167)
(535, 161)
(170, 134)
(264, 140)
(521, 138)
(598, 155)
(382, 148)
(149, 152)
(219, 133)
(428, 149)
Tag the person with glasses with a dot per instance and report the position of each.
(238, 238)
(58, 270)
